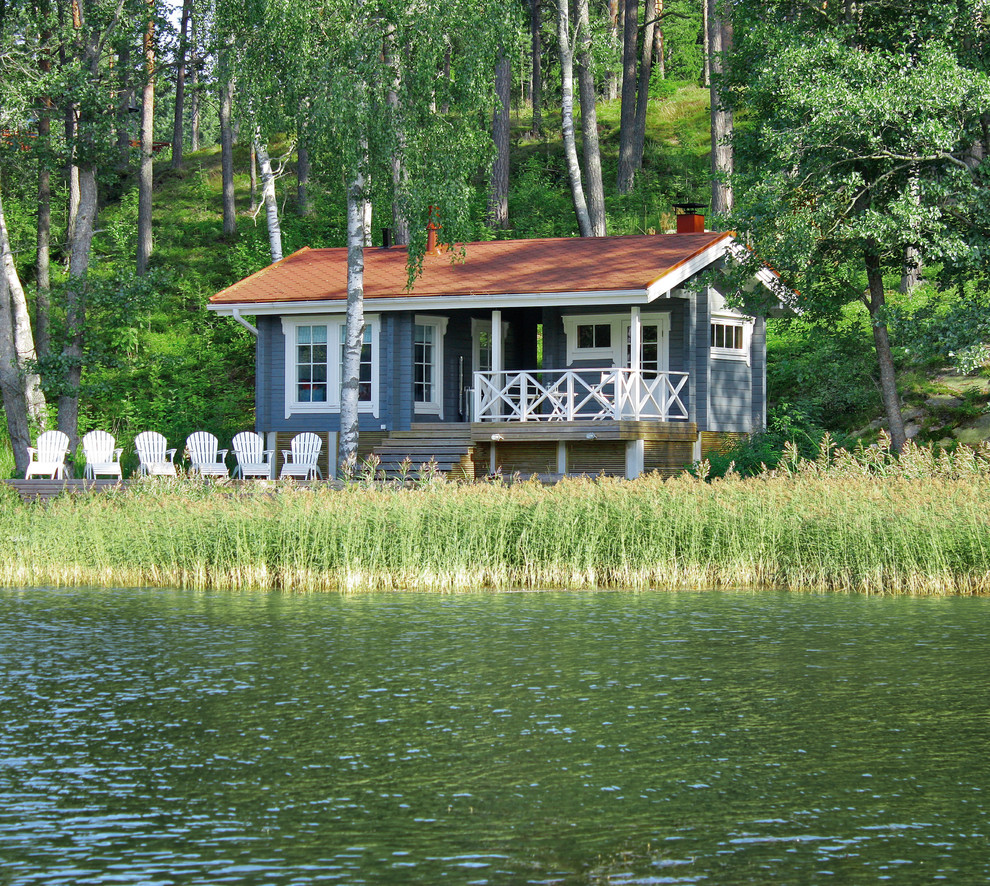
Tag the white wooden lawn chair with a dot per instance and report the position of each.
(102, 458)
(300, 459)
(205, 456)
(47, 458)
(156, 460)
(253, 460)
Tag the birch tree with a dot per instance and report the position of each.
(565, 48)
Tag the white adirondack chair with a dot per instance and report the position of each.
(205, 456)
(102, 458)
(48, 456)
(156, 460)
(253, 460)
(300, 459)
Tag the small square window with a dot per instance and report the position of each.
(594, 335)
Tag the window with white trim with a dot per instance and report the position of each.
(730, 337)
(311, 363)
(364, 369)
(428, 335)
(314, 369)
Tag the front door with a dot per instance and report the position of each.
(647, 391)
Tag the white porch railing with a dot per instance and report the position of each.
(579, 395)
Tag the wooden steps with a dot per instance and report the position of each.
(447, 446)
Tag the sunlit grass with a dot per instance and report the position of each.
(864, 523)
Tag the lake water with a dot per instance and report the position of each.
(168, 737)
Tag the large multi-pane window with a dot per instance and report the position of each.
(364, 373)
(311, 364)
(314, 358)
(424, 363)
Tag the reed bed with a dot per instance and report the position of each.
(853, 522)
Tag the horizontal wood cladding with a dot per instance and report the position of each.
(526, 459)
(595, 458)
(719, 442)
(666, 457)
(536, 431)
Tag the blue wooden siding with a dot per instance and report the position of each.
(737, 396)
(731, 397)
(758, 360)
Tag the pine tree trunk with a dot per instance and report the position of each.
(720, 45)
(357, 202)
(627, 114)
(658, 41)
(589, 124)
(498, 205)
(706, 46)
(536, 51)
(885, 359)
(227, 156)
(268, 194)
(125, 98)
(75, 310)
(178, 129)
(194, 97)
(146, 175)
(613, 78)
(643, 91)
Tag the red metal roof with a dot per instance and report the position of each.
(577, 264)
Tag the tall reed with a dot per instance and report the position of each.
(844, 522)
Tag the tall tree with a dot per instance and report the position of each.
(589, 123)
(720, 51)
(536, 55)
(498, 206)
(853, 155)
(178, 125)
(268, 196)
(627, 113)
(146, 173)
(227, 153)
(566, 50)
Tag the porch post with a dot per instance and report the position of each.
(635, 340)
(635, 363)
(497, 342)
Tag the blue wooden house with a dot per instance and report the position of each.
(548, 356)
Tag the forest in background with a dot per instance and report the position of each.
(152, 155)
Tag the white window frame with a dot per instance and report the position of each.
(662, 322)
(740, 355)
(613, 353)
(477, 327)
(334, 323)
(435, 405)
(620, 323)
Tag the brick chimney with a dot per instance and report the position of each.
(432, 246)
(689, 219)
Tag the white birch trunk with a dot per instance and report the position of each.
(567, 117)
(23, 400)
(357, 211)
(268, 195)
(146, 174)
